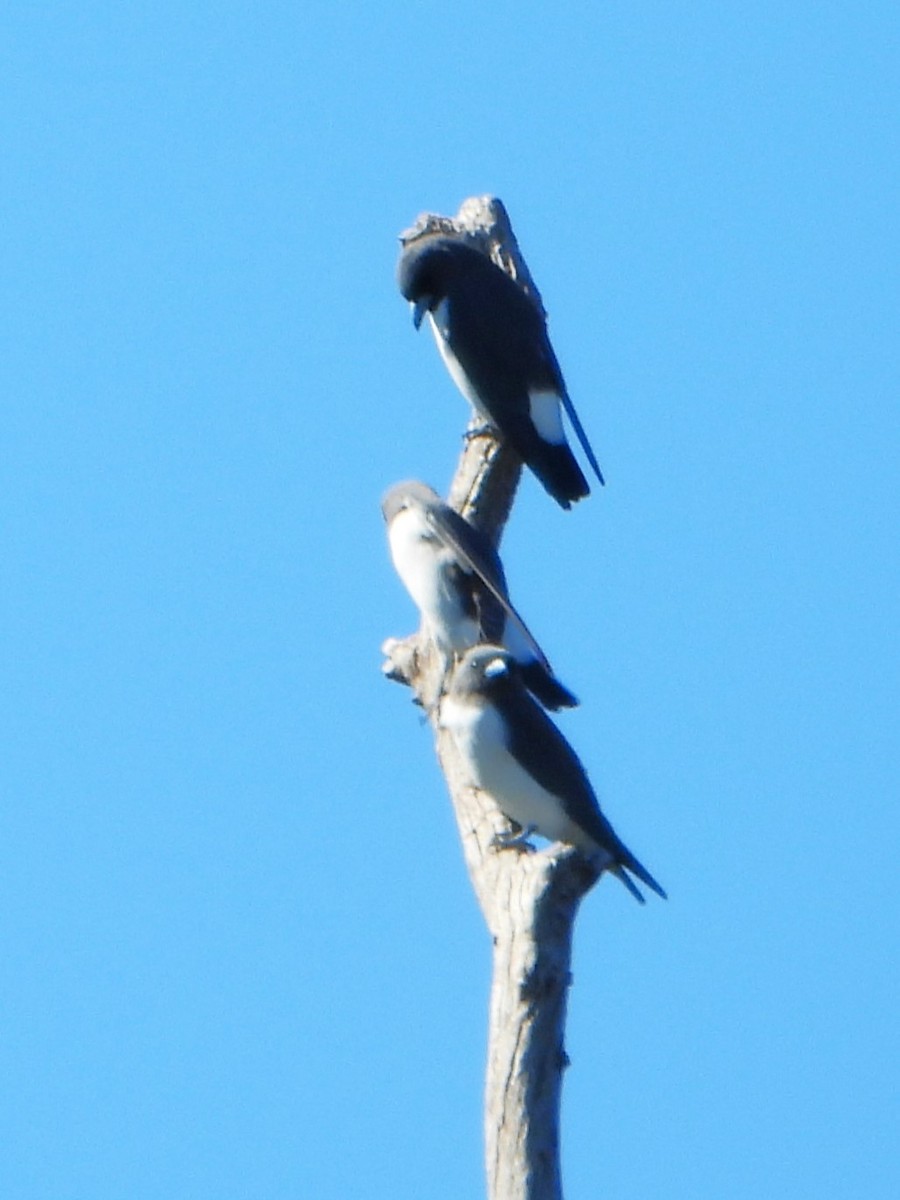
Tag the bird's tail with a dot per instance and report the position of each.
(622, 874)
(613, 856)
(627, 862)
(581, 435)
(557, 468)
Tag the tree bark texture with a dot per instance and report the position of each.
(529, 900)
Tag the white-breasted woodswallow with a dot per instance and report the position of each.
(514, 752)
(456, 579)
(493, 339)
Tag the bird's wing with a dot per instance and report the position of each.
(487, 312)
(545, 754)
(536, 743)
(478, 556)
(489, 318)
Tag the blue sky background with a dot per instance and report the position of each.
(240, 957)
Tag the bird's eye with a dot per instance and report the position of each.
(497, 666)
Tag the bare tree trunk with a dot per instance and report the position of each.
(529, 900)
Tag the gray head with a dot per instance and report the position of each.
(408, 494)
(481, 671)
(429, 266)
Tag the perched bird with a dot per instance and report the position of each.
(456, 579)
(494, 341)
(514, 752)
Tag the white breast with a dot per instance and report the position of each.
(478, 732)
(457, 374)
(426, 567)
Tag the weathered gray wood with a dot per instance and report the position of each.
(529, 900)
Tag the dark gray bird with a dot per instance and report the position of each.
(494, 342)
(456, 579)
(514, 752)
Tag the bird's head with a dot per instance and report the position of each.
(411, 493)
(414, 275)
(427, 269)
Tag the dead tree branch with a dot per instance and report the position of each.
(529, 900)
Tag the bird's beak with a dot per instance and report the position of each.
(420, 307)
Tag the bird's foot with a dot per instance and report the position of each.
(515, 839)
(480, 429)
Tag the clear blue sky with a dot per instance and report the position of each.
(240, 957)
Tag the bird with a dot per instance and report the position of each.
(493, 339)
(512, 750)
(455, 577)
